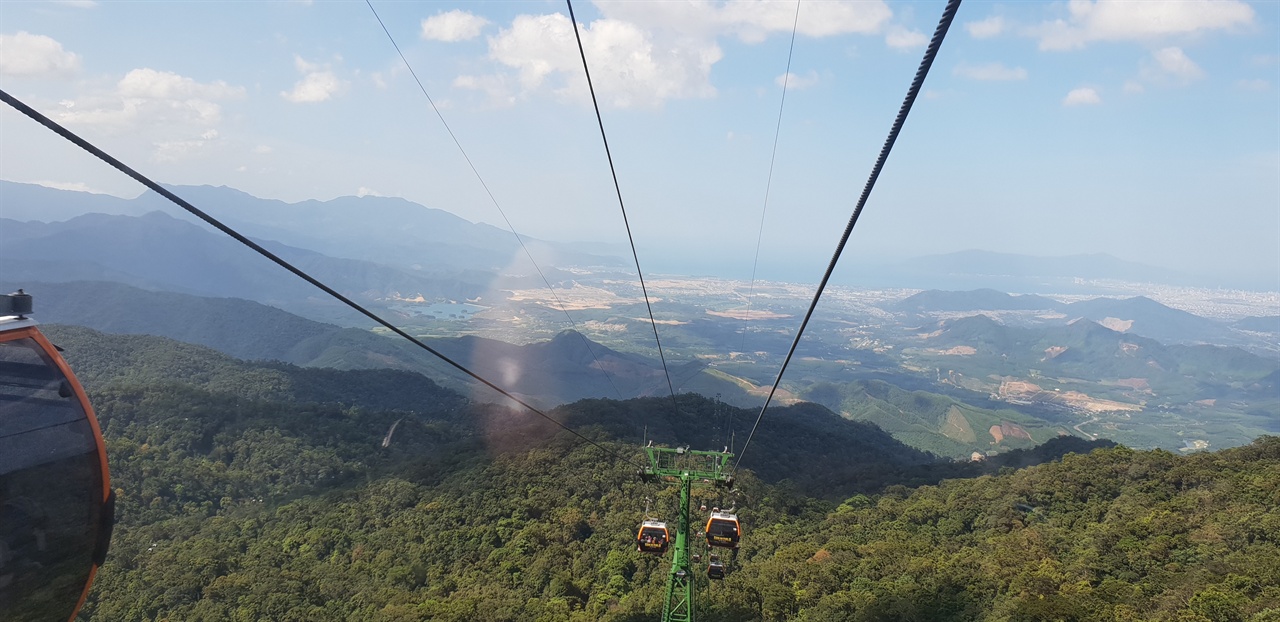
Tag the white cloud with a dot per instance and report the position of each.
(1083, 96)
(1133, 86)
(795, 82)
(176, 114)
(751, 22)
(79, 4)
(628, 66)
(1172, 63)
(1127, 20)
(262, 149)
(990, 71)
(149, 98)
(25, 54)
(1257, 84)
(368, 192)
(148, 83)
(900, 38)
(317, 85)
(643, 54)
(455, 25)
(986, 28)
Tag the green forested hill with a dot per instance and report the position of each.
(933, 422)
(280, 503)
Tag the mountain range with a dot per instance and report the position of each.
(1137, 315)
(564, 369)
(383, 230)
(410, 236)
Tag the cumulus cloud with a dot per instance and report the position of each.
(1125, 20)
(25, 54)
(176, 113)
(1171, 63)
(318, 83)
(1083, 96)
(368, 192)
(455, 25)
(986, 28)
(990, 71)
(149, 97)
(643, 54)
(148, 83)
(795, 82)
(900, 38)
(751, 22)
(629, 67)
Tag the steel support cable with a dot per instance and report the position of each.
(948, 14)
(768, 184)
(494, 199)
(618, 188)
(193, 210)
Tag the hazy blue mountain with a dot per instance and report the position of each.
(1095, 266)
(974, 300)
(158, 251)
(26, 202)
(385, 230)
(1086, 350)
(1073, 274)
(1143, 316)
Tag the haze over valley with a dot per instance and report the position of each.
(1087, 353)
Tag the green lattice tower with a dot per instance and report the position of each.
(687, 469)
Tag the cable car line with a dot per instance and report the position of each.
(494, 199)
(617, 188)
(948, 14)
(768, 184)
(193, 210)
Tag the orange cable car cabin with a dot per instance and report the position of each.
(56, 504)
(653, 537)
(723, 530)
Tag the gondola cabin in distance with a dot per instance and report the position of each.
(653, 537)
(715, 567)
(723, 530)
(56, 503)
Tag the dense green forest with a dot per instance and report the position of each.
(263, 491)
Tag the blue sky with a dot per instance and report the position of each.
(1148, 130)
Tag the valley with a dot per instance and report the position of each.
(276, 457)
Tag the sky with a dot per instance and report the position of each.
(1148, 130)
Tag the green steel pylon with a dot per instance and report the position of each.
(687, 469)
